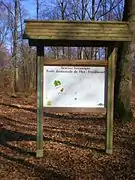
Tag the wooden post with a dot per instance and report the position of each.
(110, 100)
(40, 57)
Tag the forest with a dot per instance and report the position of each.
(73, 142)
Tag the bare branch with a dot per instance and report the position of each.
(7, 7)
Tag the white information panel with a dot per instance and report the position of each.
(73, 86)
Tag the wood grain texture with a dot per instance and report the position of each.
(110, 101)
(76, 62)
(72, 30)
(75, 37)
(74, 110)
(40, 58)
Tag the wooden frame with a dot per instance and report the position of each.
(101, 63)
(40, 58)
(77, 33)
(110, 100)
(74, 31)
(73, 110)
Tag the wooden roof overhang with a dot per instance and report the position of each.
(76, 33)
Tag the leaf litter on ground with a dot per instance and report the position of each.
(73, 145)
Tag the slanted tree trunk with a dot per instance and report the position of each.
(123, 81)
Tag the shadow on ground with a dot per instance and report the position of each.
(61, 116)
(39, 171)
(8, 135)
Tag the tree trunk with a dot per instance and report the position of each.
(123, 80)
(37, 14)
(93, 18)
(15, 50)
(37, 8)
(63, 8)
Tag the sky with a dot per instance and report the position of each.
(30, 6)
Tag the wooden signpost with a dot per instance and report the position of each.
(76, 33)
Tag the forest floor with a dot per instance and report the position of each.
(73, 145)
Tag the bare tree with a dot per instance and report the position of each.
(15, 47)
(4, 24)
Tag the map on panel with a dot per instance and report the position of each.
(73, 86)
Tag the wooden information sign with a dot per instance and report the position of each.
(76, 85)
